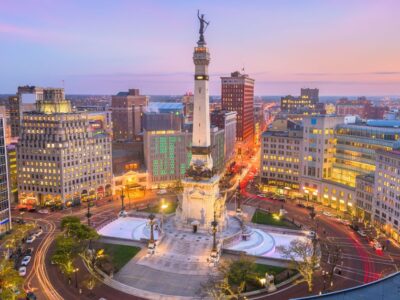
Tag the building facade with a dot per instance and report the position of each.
(238, 95)
(226, 120)
(361, 107)
(62, 157)
(364, 196)
(25, 100)
(5, 212)
(127, 109)
(166, 156)
(308, 100)
(386, 206)
(281, 149)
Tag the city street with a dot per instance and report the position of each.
(360, 263)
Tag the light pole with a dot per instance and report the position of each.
(151, 244)
(214, 224)
(122, 200)
(88, 215)
(238, 200)
(76, 277)
(163, 207)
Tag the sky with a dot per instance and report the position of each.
(342, 47)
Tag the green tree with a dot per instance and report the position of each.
(240, 272)
(14, 240)
(67, 221)
(90, 283)
(10, 281)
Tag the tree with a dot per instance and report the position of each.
(332, 256)
(65, 263)
(90, 283)
(303, 258)
(67, 221)
(222, 290)
(10, 281)
(239, 273)
(14, 240)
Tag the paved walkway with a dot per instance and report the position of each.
(179, 266)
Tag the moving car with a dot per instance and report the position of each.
(31, 239)
(328, 214)
(28, 251)
(38, 233)
(22, 271)
(362, 233)
(25, 261)
(377, 246)
(161, 192)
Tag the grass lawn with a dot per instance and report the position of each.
(171, 208)
(280, 273)
(262, 269)
(120, 254)
(261, 217)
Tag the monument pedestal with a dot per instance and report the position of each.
(200, 199)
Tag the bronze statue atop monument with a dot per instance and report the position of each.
(203, 26)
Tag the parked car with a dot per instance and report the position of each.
(362, 233)
(328, 214)
(161, 192)
(31, 296)
(38, 233)
(28, 251)
(25, 261)
(301, 205)
(261, 195)
(43, 211)
(31, 239)
(312, 234)
(281, 199)
(377, 246)
(22, 271)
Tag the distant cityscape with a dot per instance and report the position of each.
(199, 196)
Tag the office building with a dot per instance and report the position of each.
(5, 213)
(364, 197)
(167, 153)
(226, 120)
(166, 121)
(281, 147)
(356, 145)
(308, 100)
(386, 206)
(166, 156)
(361, 107)
(63, 157)
(238, 95)
(127, 109)
(188, 102)
(25, 100)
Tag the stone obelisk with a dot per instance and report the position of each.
(201, 197)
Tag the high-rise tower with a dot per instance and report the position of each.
(201, 199)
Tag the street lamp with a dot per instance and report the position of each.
(214, 224)
(308, 195)
(238, 200)
(152, 244)
(163, 207)
(122, 200)
(76, 277)
(88, 214)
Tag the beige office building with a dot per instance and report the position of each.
(63, 157)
